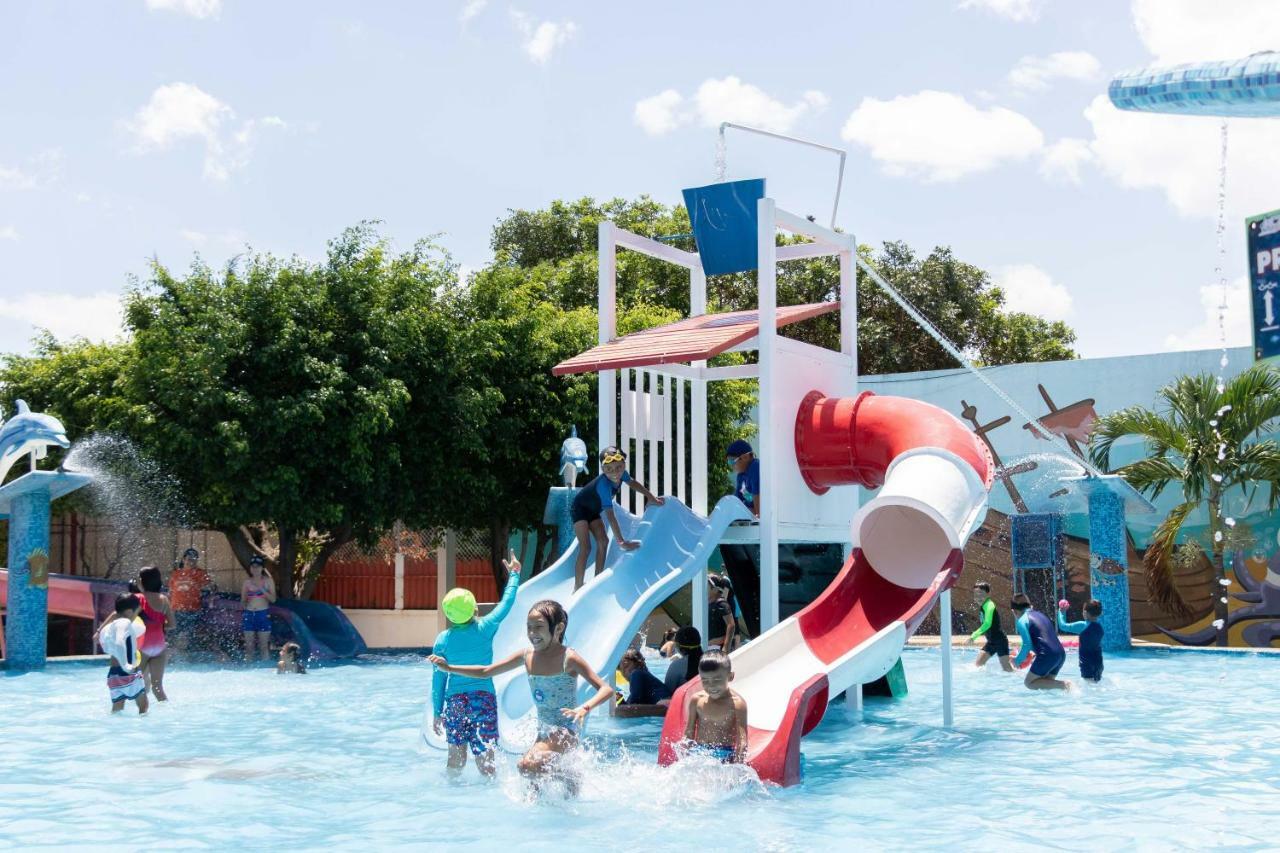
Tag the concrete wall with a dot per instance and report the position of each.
(395, 629)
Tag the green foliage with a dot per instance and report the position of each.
(1204, 439)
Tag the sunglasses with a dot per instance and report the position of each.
(612, 457)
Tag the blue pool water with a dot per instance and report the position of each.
(1173, 751)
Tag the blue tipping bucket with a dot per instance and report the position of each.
(724, 223)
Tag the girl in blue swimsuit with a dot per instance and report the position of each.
(553, 670)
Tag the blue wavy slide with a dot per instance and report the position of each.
(607, 613)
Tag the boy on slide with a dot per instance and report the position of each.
(465, 708)
(594, 501)
(997, 645)
(1038, 635)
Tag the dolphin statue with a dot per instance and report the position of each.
(28, 432)
(573, 458)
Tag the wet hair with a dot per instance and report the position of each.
(150, 579)
(635, 657)
(134, 588)
(669, 635)
(126, 601)
(295, 651)
(1093, 607)
(714, 661)
(554, 614)
(611, 450)
(1020, 602)
(690, 643)
(982, 585)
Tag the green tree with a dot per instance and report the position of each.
(287, 395)
(1204, 439)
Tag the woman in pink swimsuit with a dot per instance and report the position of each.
(157, 615)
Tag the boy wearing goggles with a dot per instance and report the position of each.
(595, 500)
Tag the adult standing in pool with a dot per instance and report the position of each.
(256, 595)
(188, 586)
(1039, 636)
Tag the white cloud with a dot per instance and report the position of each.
(542, 39)
(725, 99)
(8, 232)
(1179, 156)
(42, 169)
(13, 178)
(1197, 31)
(470, 9)
(195, 8)
(180, 111)
(1034, 73)
(97, 317)
(1015, 10)
(940, 136)
(1206, 334)
(1031, 290)
(1060, 162)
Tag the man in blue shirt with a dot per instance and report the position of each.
(746, 468)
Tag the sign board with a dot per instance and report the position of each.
(1263, 234)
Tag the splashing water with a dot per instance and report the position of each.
(722, 150)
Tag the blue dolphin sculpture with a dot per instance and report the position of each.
(28, 432)
(573, 458)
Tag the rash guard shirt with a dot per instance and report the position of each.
(469, 645)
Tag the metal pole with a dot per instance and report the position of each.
(840, 151)
(944, 621)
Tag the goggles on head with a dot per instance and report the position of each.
(612, 457)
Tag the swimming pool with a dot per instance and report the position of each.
(1173, 750)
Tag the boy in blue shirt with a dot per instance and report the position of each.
(593, 502)
(1090, 631)
(746, 468)
(465, 710)
(1038, 635)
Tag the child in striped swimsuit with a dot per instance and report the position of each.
(553, 670)
(119, 636)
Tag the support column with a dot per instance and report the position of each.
(446, 574)
(26, 632)
(766, 277)
(1109, 565)
(944, 625)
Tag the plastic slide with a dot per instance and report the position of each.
(323, 630)
(933, 474)
(607, 613)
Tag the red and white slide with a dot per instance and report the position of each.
(934, 475)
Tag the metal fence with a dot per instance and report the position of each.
(366, 579)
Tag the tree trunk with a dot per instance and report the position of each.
(539, 548)
(311, 576)
(1219, 570)
(286, 561)
(499, 536)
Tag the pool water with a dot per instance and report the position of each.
(1172, 751)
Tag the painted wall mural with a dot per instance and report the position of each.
(1031, 469)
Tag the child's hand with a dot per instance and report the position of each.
(657, 501)
(437, 724)
(628, 544)
(438, 661)
(577, 715)
(1063, 605)
(511, 564)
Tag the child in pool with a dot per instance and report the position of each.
(119, 637)
(153, 607)
(291, 660)
(553, 670)
(1038, 636)
(997, 645)
(465, 710)
(1090, 631)
(717, 715)
(595, 500)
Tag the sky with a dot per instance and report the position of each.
(139, 129)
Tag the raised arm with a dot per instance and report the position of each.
(988, 619)
(488, 625)
(604, 693)
(1070, 627)
(508, 663)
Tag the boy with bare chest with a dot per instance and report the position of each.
(717, 715)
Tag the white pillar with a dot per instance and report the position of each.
(944, 622)
(399, 581)
(768, 313)
(849, 305)
(446, 574)
(607, 312)
(698, 404)
(700, 602)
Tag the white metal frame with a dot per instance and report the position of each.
(676, 422)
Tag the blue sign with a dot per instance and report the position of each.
(1264, 283)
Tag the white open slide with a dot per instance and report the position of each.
(607, 613)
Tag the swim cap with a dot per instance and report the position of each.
(459, 606)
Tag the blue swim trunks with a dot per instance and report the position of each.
(255, 621)
(1048, 664)
(471, 718)
(724, 753)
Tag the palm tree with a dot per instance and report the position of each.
(1206, 439)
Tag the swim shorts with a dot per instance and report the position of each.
(124, 685)
(584, 511)
(721, 752)
(471, 718)
(1047, 666)
(997, 645)
(255, 621)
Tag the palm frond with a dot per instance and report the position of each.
(1159, 433)
(1257, 464)
(1254, 398)
(1158, 563)
(1150, 476)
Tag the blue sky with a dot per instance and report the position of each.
(140, 128)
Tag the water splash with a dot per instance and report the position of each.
(722, 151)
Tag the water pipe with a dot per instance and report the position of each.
(835, 205)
